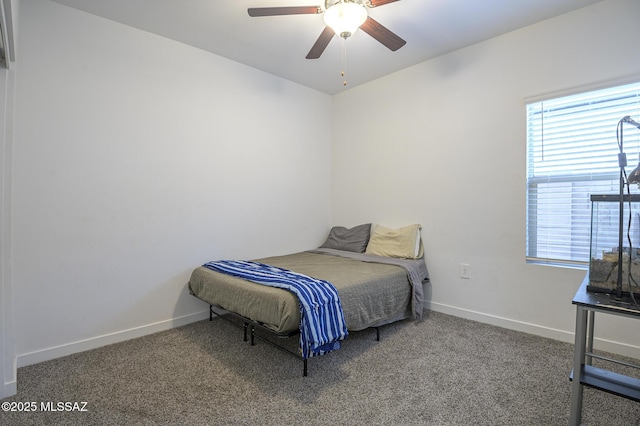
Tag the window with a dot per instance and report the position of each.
(572, 152)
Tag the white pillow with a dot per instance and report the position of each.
(403, 242)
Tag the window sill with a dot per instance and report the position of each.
(559, 263)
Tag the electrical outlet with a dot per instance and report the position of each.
(465, 271)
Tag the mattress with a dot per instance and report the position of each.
(371, 293)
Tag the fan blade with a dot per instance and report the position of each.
(376, 3)
(382, 34)
(293, 10)
(321, 43)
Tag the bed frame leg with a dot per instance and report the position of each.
(377, 334)
(246, 326)
(253, 336)
(210, 312)
(304, 368)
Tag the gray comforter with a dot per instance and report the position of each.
(373, 290)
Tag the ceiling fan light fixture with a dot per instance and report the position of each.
(345, 18)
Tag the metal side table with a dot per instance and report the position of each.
(583, 373)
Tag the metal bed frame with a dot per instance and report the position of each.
(249, 325)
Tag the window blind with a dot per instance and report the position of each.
(572, 152)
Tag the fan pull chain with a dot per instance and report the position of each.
(344, 61)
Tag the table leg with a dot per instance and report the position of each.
(578, 360)
(590, 327)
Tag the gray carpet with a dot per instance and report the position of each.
(442, 371)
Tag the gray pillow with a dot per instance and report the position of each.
(348, 239)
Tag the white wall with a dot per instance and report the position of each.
(136, 159)
(443, 144)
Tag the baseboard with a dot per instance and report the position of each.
(107, 339)
(619, 348)
(120, 336)
(538, 330)
(9, 389)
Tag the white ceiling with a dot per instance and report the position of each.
(279, 44)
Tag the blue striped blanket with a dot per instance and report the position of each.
(322, 324)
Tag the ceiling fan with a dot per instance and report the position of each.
(342, 17)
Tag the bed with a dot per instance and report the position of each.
(374, 287)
